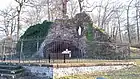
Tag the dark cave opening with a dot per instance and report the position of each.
(55, 49)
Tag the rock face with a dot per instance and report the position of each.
(63, 35)
(92, 42)
(78, 35)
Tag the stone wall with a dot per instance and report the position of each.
(38, 71)
(66, 29)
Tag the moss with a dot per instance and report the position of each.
(99, 29)
(34, 34)
(89, 34)
(37, 31)
(133, 48)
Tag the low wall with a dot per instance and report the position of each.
(40, 71)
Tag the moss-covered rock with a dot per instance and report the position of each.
(89, 34)
(37, 31)
(49, 39)
(32, 35)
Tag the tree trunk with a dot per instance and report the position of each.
(48, 10)
(64, 9)
(18, 26)
(128, 25)
(119, 24)
(137, 20)
(80, 5)
(99, 17)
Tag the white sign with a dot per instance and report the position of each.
(67, 52)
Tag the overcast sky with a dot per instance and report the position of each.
(5, 3)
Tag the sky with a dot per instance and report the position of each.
(5, 3)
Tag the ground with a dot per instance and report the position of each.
(128, 73)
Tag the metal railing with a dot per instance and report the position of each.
(24, 50)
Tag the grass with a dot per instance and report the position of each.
(128, 73)
(137, 61)
(135, 52)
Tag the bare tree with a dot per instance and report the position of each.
(99, 12)
(8, 21)
(36, 11)
(128, 24)
(19, 8)
(64, 8)
(80, 5)
(48, 7)
(119, 20)
(106, 11)
(119, 26)
(137, 18)
(73, 8)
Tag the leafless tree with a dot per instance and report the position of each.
(137, 5)
(119, 25)
(128, 24)
(8, 21)
(48, 7)
(73, 8)
(106, 11)
(19, 8)
(80, 5)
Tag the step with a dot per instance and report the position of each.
(11, 71)
(11, 75)
(10, 67)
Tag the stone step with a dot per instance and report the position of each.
(7, 71)
(11, 76)
(10, 67)
(10, 70)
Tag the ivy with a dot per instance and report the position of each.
(89, 34)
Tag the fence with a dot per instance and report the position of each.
(26, 51)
